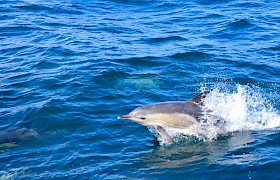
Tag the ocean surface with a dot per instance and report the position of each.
(69, 68)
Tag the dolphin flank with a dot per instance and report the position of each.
(177, 114)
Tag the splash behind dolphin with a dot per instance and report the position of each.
(177, 114)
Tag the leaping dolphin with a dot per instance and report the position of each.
(177, 114)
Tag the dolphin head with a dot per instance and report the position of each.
(138, 115)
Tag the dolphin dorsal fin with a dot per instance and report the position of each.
(198, 98)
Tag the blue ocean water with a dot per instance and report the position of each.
(69, 68)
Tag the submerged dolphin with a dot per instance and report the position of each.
(177, 114)
(17, 136)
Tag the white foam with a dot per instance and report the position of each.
(244, 109)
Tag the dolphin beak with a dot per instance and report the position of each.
(125, 117)
(140, 120)
(130, 117)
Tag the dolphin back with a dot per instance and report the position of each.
(180, 107)
(199, 98)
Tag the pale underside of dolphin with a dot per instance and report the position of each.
(177, 114)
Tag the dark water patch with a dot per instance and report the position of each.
(212, 2)
(191, 56)
(67, 11)
(116, 29)
(211, 16)
(5, 17)
(147, 61)
(46, 65)
(18, 30)
(241, 30)
(164, 39)
(240, 24)
(275, 48)
(206, 46)
(248, 4)
(61, 51)
(32, 7)
(57, 9)
(134, 3)
(54, 24)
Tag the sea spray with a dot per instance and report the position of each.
(228, 110)
(243, 109)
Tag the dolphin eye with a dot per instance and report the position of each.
(142, 118)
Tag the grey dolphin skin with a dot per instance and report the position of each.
(17, 136)
(177, 114)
